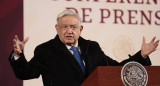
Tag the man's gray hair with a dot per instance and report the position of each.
(68, 12)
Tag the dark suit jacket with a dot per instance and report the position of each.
(58, 67)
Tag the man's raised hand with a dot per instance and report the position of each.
(148, 48)
(18, 45)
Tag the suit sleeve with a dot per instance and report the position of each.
(27, 70)
(107, 61)
(138, 58)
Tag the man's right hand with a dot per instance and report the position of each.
(18, 45)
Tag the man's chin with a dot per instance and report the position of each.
(70, 43)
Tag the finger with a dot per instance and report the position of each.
(156, 46)
(144, 40)
(26, 39)
(14, 44)
(156, 43)
(14, 41)
(153, 40)
(16, 37)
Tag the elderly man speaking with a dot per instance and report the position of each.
(68, 59)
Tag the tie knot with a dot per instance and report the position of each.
(73, 48)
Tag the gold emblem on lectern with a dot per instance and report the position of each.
(134, 74)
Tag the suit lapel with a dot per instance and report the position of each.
(84, 45)
(61, 48)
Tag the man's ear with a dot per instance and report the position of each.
(81, 28)
(56, 26)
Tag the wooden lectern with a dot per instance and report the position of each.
(111, 76)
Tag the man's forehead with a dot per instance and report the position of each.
(69, 22)
(75, 17)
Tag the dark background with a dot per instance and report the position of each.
(11, 24)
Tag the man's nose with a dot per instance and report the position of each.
(69, 30)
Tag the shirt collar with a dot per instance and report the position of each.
(68, 47)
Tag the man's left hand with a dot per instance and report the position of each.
(148, 48)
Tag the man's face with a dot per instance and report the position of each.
(69, 30)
